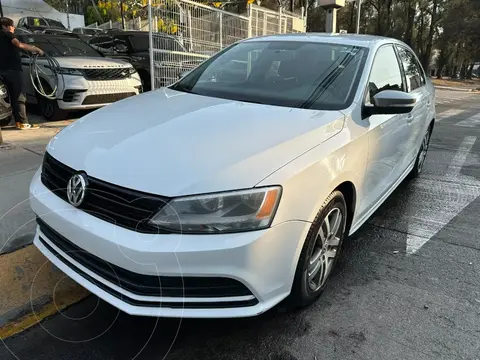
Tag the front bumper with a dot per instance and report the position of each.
(262, 262)
(81, 94)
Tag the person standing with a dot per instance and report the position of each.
(11, 70)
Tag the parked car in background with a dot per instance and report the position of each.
(21, 31)
(5, 110)
(233, 189)
(40, 24)
(88, 80)
(55, 31)
(88, 31)
(171, 57)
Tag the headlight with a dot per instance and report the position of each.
(3, 91)
(67, 71)
(221, 212)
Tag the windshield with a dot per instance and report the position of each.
(61, 45)
(141, 43)
(91, 31)
(308, 75)
(56, 23)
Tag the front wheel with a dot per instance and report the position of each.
(422, 154)
(50, 109)
(320, 251)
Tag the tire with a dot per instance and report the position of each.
(422, 154)
(305, 292)
(5, 122)
(50, 110)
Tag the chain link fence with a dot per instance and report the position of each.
(197, 31)
(187, 32)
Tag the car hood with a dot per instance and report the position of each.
(90, 62)
(173, 143)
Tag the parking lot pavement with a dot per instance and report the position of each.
(407, 285)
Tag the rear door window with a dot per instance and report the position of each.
(412, 69)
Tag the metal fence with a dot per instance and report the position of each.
(186, 32)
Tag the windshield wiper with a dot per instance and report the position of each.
(183, 89)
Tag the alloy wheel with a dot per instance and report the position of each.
(325, 250)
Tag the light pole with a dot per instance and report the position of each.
(1, 9)
(68, 15)
(331, 6)
(122, 14)
(359, 11)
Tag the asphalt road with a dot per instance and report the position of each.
(407, 286)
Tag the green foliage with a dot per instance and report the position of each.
(450, 26)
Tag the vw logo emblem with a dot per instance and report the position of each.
(76, 187)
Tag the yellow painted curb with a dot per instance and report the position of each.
(31, 289)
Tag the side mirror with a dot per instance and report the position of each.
(390, 102)
(183, 74)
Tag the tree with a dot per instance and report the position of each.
(425, 25)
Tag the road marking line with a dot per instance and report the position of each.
(448, 113)
(449, 200)
(472, 121)
(459, 159)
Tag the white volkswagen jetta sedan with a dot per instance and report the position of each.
(233, 189)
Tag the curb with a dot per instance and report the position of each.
(31, 289)
(456, 89)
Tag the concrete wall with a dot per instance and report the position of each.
(16, 9)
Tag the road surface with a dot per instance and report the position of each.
(407, 286)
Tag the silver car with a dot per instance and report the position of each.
(255, 166)
(87, 80)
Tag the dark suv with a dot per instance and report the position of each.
(171, 57)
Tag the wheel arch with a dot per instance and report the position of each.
(349, 191)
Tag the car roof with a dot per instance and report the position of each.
(49, 36)
(136, 32)
(346, 39)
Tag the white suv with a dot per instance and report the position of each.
(88, 80)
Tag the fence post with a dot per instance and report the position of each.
(279, 19)
(1, 139)
(220, 30)
(150, 45)
(265, 20)
(190, 30)
(249, 14)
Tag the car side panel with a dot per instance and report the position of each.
(416, 122)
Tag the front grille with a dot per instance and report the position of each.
(147, 285)
(105, 98)
(106, 74)
(120, 206)
(71, 95)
